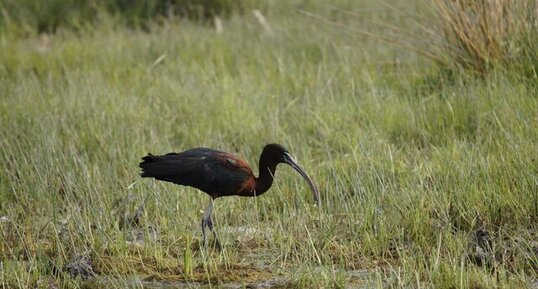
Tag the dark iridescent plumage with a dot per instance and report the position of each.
(220, 174)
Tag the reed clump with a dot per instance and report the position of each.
(480, 35)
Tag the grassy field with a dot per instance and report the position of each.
(426, 181)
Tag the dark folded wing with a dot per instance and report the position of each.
(208, 170)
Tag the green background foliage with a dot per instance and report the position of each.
(47, 16)
(412, 162)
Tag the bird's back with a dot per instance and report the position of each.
(214, 172)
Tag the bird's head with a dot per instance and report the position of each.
(280, 154)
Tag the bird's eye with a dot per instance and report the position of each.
(232, 162)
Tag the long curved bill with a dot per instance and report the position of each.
(293, 163)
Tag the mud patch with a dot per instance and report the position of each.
(134, 282)
(235, 278)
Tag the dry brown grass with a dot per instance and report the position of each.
(481, 34)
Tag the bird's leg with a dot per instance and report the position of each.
(207, 221)
(210, 226)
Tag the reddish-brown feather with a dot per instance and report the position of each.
(234, 163)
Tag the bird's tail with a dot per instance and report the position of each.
(168, 167)
(160, 167)
(150, 166)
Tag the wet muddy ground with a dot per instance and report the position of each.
(255, 270)
(357, 279)
(254, 267)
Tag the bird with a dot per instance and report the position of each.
(221, 174)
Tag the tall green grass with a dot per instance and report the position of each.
(409, 172)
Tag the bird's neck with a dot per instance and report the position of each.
(267, 172)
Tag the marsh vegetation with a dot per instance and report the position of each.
(427, 169)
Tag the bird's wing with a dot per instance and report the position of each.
(211, 171)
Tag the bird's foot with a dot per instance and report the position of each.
(209, 224)
(218, 246)
(214, 244)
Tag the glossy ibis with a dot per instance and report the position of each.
(220, 174)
